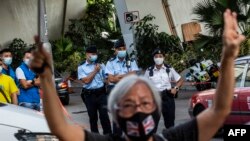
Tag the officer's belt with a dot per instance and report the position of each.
(167, 93)
(94, 91)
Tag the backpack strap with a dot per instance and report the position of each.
(4, 95)
(112, 58)
(82, 63)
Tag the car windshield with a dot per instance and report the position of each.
(238, 73)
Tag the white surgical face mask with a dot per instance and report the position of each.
(158, 61)
(26, 61)
(7, 60)
(1, 68)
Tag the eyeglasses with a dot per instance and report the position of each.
(130, 107)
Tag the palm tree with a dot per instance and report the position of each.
(210, 13)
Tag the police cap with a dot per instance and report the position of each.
(91, 49)
(119, 43)
(158, 51)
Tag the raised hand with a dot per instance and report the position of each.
(231, 38)
(42, 61)
(97, 67)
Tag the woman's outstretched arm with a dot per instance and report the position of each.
(213, 118)
(42, 64)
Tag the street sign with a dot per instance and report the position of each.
(131, 17)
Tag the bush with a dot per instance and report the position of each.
(66, 58)
(17, 47)
(148, 38)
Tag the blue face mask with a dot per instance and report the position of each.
(93, 58)
(7, 60)
(122, 54)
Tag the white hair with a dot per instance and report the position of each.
(123, 87)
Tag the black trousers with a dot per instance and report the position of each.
(168, 109)
(97, 102)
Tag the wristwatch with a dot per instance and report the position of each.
(177, 88)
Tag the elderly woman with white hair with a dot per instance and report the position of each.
(135, 103)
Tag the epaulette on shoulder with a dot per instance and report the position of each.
(111, 59)
(150, 68)
(82, 63)
(168, 66)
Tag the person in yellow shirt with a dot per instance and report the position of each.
(8, 88)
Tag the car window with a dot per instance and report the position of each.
(247, 79)
(238, 73)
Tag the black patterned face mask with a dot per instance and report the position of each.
(141, 126)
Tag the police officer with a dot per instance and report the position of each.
(117, 68)
(120, 65)
(92, 75)
(162, 75)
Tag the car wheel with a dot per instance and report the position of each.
(198, 109)
(65, 100)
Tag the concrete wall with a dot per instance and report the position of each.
(18, 18)
(153, 7)
(182, 13)
(74, 10)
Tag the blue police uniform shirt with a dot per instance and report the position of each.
(85, 69)
(118, 67)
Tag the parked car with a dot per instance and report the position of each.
(241, 100)
(62, 88)
(19, 124)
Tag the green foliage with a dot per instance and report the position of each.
(148, 38)
(179, 61)
(210, 13)
(17, 47)
(245, 47)
(98, 18)
(209, 47)
(66, 58)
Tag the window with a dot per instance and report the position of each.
(238, 73)
(247, 80)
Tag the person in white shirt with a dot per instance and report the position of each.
(162, 75)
